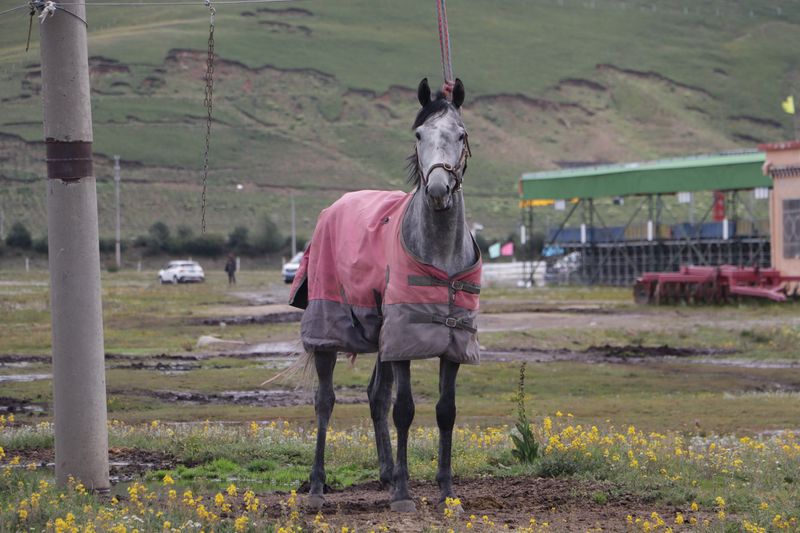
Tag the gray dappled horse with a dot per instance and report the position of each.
(397, 273)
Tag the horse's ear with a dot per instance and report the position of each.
(458, 93)
(424, 92)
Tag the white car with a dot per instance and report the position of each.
(181, 272)
(290, 269)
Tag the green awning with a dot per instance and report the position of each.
(719, 172)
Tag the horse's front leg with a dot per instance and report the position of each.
(380, 400)
(323, 406)
(403, 415)
(445, 419)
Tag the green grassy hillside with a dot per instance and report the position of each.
(316, 98)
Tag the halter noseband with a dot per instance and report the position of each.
(456, 171)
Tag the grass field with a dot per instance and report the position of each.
(707, 423)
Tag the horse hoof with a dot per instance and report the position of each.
(314, 502)
(403, 506)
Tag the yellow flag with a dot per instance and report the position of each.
(788, 105)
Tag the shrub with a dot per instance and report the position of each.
(238, 240)
(19, 237)
(40, 245)
(205, 245)
(158, 236)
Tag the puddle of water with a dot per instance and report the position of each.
(21, 364)
(23, 378)
(293, 347)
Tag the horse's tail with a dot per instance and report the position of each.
(299, 373)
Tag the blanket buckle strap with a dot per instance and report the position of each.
(455, 285)
(449, 321)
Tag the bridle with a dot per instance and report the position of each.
(457, 171)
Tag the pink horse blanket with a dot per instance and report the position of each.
(363, 291)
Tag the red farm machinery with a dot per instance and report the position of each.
(714, 284)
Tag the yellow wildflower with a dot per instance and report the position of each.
(240, 524)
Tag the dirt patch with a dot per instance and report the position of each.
(259, 398)
(125, 464)
(99, 65)
(286, 12)
(17, 405)
(758, 121)
(282, 27)
(494, 307)
(271, 318)
(158, 366)
(601, 354)
(567, 504)
(629, 351)
(580, 82)
(650, 75)
(15, 359)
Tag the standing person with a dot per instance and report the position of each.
(230, 268)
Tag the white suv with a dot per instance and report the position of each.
(181, 272)
(289, 269)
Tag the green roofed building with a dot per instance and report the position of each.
(656, 237)
(718, 172)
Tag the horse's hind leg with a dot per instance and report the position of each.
(380, 399)
(445, 419)
(403, 415)
(323, 406)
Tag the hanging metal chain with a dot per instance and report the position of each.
(209, 104)
(30, 25)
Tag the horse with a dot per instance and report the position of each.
(397, 273)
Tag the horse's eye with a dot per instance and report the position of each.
(461, 137)
(419, 137)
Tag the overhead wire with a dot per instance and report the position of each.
(23, 6)
(172, 3)
(199, 3)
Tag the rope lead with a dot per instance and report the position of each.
(444, 46)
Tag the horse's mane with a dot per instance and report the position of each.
(437, 106)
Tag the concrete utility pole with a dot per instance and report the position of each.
(79, 383)
(117, 248)
(294, 228)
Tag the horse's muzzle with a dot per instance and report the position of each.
(439, 195)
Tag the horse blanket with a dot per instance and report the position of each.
(363, 291)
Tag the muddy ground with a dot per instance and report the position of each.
(566, 504)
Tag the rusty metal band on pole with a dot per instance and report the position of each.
(69, 160)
